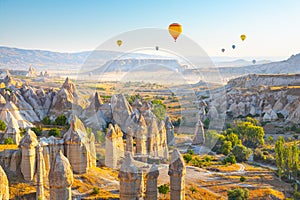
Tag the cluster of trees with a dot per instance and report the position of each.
(196, 161)
(287, 159)
(238, 194)
(61, 120)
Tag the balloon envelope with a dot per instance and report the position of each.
(243, 37)
(233, 46)
(156, 48)
(253, 61)
(175, 30)
(223, 50)
(119, 42)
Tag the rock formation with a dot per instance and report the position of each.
(170, 131)
(177, 174)
(151, 185)
(31, 72)
(60, 178)
(131, 180)
(114, 147)
(199, 138)
(28, 163)
(40, 172)
(12, 131)
(4, 189)
(78, 147)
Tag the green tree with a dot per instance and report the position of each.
(46, 121)
(270, 139)
(164, 189)
(193, 189)
(2, 125)
(243, 179)
(229, 159)
(187, 158)
(279, 157)
(54, 132)
(233, 138)
(226, 147)
(37, 130)
(238, 194)
(8, 141)
(191, 152)
(241, 153)
(295, 156)
(159, 109)
(96, 190)
(251, 135)
(61, 120)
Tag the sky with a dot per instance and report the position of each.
(272, 27)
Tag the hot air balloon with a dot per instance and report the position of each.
(233, 46)
(119, 42)
(223, 50)
(175, 30)
(157, 48)
(243, 37)
(253, 61)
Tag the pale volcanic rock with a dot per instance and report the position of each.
(4, 186)
(60, 178)
(12, 131)
(121, 110)
(199, 137)
(169, 130)
(31, 72)
(177, 173)
(28, 144)
(151, 185)
(78, 147)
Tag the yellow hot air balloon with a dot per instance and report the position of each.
(119, 42)
(243, 37)
(175, 30)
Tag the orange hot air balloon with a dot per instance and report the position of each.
(175, 30)
(243, 37)
(119, 42)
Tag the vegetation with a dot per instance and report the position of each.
(96, 190)
(229, 159)
(287, 159)
(54, 132)
(9, 141)
(187, 158)
(46, 121)
(159, 109)
(243, 179)
(241, 153)
(61, 120)
(238, 194)
(2, 125)
(37, 130)
(164, 189)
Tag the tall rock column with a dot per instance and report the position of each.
(199, 138)
(131, 180)
(151, 185)
(60, 178)
(4, 189)
(141, 137)
(170, 131)
(28, 144)
(40, 171)
(129, 141)
(177, 172)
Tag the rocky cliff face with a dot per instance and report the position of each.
(4, 190)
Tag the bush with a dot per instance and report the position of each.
(187, 158)
(46, 121)
(242, 178)
(54, 132)
(206, 123)
(193, 189)
(191, 152)
(61, 120)
(207, 158)
(238, 194)
(9, 141)
(280, 116)
(241, 153)
(37, 130)
(229, 159)
(226, 147)
(96, 190)
(163, 189)
(2, 125)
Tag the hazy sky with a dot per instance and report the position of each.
(272, 26)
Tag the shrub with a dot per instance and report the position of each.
(61, 120)
(242, 178)
(46, 121)
(229, 159)
(207, 158)
(238, 194)
(226, 147)
(193, 189)
(96, 190)
(9, 141)
(187, 158)
(2, 125)
(206, 123)
(37, 130)
(164, 189)
(54, 132)
(280, 116)
(241, 153)
(191, 152)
